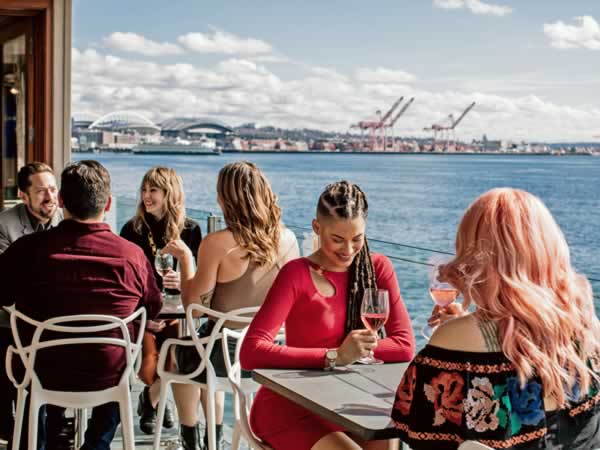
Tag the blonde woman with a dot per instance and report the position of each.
(521, 371)
(160, 218)
(238, 266)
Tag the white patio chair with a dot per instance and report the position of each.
(243, 389)
(40, 396)
(204, 346)
(473, 445)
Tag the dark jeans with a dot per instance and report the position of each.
(102, 427)
(100, 431)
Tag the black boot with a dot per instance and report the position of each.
(190, 437)
(168, 419)
(218, 438)
(146, 412)
(60, 430)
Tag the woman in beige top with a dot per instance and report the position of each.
(236, 267)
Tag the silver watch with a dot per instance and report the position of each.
(330, 358)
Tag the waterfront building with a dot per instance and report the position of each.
(190, 128)
(127, 122)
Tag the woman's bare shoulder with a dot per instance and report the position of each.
(219, 242)
(462, 333)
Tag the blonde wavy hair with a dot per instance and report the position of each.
(250, 210)
(513, 262)
(166, 179)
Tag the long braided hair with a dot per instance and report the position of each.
(346, 201)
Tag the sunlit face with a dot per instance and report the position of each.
(341, 240)
(41, 198)
(154, 200)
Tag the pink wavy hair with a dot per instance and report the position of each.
(513, 262)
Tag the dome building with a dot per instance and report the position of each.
(125, 122)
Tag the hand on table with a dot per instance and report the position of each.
(358, 344)
(442, 314)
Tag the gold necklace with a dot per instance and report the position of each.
(152, 243)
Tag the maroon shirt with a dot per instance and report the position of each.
(78, 268)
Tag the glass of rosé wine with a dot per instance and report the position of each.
(442, 293)
(374, 312)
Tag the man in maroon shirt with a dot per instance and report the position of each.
(80, 267)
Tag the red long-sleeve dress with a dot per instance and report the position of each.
(313, 324)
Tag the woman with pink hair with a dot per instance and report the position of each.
(522, 370)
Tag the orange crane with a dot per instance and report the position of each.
(377, 126)
(448, 127)
(390, 125)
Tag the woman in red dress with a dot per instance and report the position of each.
(318, 298)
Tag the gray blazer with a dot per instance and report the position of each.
(14, 223)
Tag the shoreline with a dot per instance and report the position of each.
(319, 152)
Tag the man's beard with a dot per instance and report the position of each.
(43, 212)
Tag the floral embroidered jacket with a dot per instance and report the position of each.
(448, 396)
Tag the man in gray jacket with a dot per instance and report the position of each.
(39, 210)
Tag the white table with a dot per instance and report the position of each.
(359, 398)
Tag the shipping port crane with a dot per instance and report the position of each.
(448, 127)
(376, 127)
(390, 125)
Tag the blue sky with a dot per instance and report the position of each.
(531, 66)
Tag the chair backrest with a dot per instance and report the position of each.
(227, 335)
(241, 408)
(205, 345)
(473, 445)
(64, 324)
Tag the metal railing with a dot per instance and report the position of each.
(211, 222)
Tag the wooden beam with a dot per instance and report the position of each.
(23, 5)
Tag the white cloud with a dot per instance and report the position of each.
(327, 72)
(223, 42)
(273, 59)
(135, 43)
(449, 4)
(475, 6)
(239, 90)
(383, 75)
(585, 33)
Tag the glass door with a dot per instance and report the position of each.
(14, 117)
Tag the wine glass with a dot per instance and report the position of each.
(441, 293)
(374, 312)
(163, 262)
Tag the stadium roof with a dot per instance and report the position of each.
(197, 124)
(124, 120)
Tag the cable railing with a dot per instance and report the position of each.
(203, 216)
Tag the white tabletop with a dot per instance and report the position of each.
(359, 398)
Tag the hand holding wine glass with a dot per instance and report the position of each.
(163, 262)
(374, 312)
(443, 295)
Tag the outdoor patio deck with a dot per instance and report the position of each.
(144, 442)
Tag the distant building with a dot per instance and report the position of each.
(190, 128)
(125, 122)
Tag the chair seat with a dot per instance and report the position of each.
(39, 396)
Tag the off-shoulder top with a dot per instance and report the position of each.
(448, 396)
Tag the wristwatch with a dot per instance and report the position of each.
(330, 357)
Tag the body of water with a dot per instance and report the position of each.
(413, 199)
